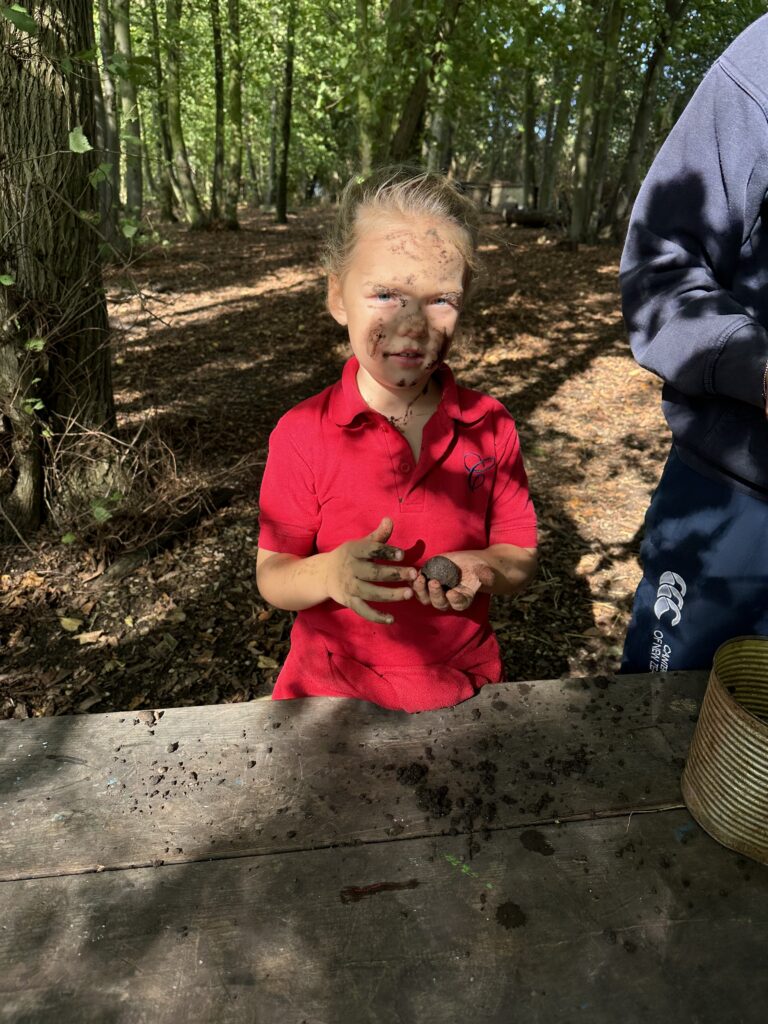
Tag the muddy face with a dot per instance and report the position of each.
(400, 299)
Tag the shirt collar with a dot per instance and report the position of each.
(347, 403)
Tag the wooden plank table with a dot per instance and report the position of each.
(523, 857)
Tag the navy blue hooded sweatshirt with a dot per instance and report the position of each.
(694, 272)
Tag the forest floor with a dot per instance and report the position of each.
(215, 335)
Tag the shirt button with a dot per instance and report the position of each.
(405, 467)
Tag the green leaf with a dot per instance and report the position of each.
(7, 280)
(66, 65)
(68, 538)
(100, 512)
(78, 143)
(35, 345)
(19, 17)
(86, 55)
(128, 229)
(102, 173)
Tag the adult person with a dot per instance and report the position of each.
(694, 279)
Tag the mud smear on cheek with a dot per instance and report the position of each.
(375, 338)
(445, 345)
(402, 384)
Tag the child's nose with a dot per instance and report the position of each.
(414, 325)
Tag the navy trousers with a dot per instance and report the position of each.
(705, 572)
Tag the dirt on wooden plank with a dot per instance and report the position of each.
(216, 334)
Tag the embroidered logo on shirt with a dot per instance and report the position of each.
(476, 466)
(669, 596)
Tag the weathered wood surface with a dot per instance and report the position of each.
(639, 920)
(130, 789)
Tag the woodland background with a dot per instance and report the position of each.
(167, 171)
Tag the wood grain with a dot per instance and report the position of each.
(130, 789)
(602, 921)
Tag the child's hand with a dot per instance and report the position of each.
(351, 572)
(474, 575)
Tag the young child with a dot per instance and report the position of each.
(391, 465)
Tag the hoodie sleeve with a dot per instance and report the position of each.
(690, 267)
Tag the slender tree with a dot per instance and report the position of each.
(281, 207)
(364, 103)
(529, 122)
(168, 187)
(582, 150)
(235, 115)
(129, 104)
(605, 112)
(406, 142)
(629, 182)
(193, 211)
(217, 178)
(554, 151)
(272, 162)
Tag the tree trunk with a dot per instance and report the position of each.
(583, 146)
(164, 185)
(441, 141)
(193, 211)
(281, 206)
(235, 91)
(364, 106)
(254, 174)
(129, 105)
(168, 186)
(272, 166)
(547, 196)
(406, 142)
(607, 105)
(218, 92)
(529, 130)
(386, 96)
(55, 379)
(149, 176)
(630, 175)
(108, 134)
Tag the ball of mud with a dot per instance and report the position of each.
(443, 570)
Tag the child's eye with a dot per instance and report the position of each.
(384, 296)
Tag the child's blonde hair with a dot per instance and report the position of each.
(407, 191)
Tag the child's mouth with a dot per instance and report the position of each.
(409, 357)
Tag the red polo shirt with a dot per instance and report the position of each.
(335, 468)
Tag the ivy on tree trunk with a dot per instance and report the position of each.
(55, 377)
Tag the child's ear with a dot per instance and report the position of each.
(336, 300)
